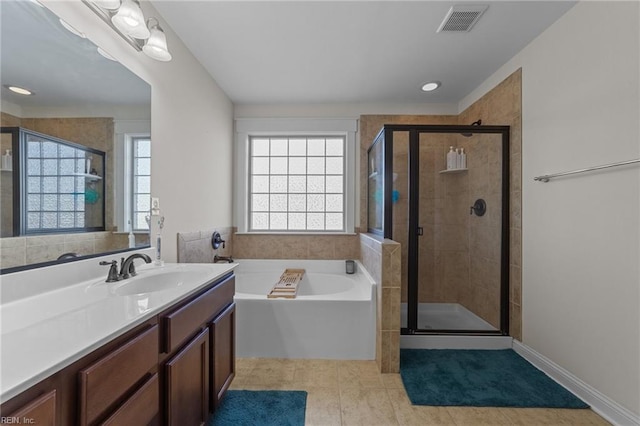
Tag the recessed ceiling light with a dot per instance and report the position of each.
(430, 86)
(71, 29)
(19, 90)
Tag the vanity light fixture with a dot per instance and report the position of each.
(130, 20)
(126, 19)
(19, 90)
(108, 4)
(431, 86)
(156, 45)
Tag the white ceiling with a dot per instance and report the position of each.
(292, 52)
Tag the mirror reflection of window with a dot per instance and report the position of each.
(141, 182)
(63, 186)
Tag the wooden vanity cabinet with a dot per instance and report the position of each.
(187, 383)
(223, 348)
(40, 411)
(199, 343)
(116, 379)
(172, 369)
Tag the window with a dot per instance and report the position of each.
(295, 175)
(63, 188)
(140, 182)
(297, 183)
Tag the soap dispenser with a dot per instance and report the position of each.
(463, 159)
(7, 160)
(451, 159)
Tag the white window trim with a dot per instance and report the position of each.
(247, 127)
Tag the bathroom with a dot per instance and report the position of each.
(573, 248)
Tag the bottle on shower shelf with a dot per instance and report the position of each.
(451, 159)
(463, 159)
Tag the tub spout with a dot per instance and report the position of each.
(227, 259)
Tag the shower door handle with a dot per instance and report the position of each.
(420, 231)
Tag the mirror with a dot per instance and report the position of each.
(82, 97)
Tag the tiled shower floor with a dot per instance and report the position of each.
(446, 316)
(355, 393)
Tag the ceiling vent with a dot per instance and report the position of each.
(461, 18)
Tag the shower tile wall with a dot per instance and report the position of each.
(502, 106)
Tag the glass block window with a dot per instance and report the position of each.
(297, 183)
(141, 182)
(56, 185)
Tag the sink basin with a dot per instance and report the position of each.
(159, 281)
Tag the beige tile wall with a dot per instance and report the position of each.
(330, 247)
(195, 247)
(503, 106)
(19, 251)
(382, 259)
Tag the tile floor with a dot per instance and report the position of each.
(355, 393)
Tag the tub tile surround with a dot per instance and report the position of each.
(195, 247)
(382, 259)
(316, 247)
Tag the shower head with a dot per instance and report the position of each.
(475, 123)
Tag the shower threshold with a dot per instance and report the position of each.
(446, 316)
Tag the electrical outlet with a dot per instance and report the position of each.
(155, 206)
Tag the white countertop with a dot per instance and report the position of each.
(43, 333)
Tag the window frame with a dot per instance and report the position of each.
(131, 175)
(124, 131)
(269, 127)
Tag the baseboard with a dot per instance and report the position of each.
(604, 406)
(454, 342)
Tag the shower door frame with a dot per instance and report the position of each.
(414, 228)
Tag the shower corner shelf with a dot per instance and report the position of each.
(90, 177)
(453, 171)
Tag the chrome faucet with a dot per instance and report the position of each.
(128, 269)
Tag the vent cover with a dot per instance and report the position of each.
(461, 18)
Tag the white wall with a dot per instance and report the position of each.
(191, 127)
(581, 235)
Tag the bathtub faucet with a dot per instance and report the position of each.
(217, 259)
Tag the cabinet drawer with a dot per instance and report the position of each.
(141, 407)
(108, 379)
(40, 411)
(185, 321)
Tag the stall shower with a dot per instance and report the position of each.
(441, 191)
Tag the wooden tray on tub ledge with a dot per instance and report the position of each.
(287, 287)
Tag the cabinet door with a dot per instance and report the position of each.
(187, 383)
(40, 411)
(223, 332)
(141, 408)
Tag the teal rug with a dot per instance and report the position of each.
(479, 378)
(260, 408)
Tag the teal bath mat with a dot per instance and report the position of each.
(260, 408)
(479, 378)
